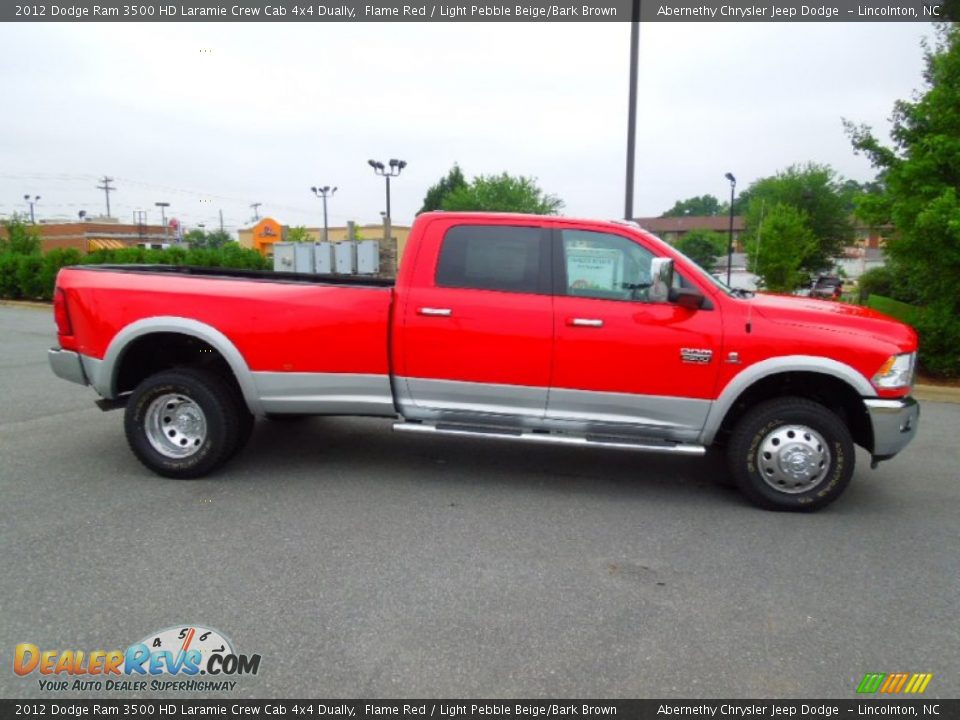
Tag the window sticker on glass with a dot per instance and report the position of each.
(594, 268)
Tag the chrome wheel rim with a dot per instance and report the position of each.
(175, 426)
(793, 459)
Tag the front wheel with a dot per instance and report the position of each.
(183, 423)
(791, 454)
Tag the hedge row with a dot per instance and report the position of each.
(32, 277)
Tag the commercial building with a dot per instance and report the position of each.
(99, 234)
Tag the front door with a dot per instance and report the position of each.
(621, 361)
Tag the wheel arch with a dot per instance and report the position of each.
(106, 375)
(835, 384)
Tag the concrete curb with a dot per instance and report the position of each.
(930, 393)
(33, 304)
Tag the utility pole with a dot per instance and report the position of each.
(632, 109)
(140, 220)
(256, 214)
(221, 221)
(163, 219)
(106, 190)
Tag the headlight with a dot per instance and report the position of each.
(896, 372)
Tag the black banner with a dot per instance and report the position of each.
(483, 709)
(474, 11)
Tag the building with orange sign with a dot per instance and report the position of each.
(268, 231)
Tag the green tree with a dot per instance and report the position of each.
(919, 178)
(503, 193)
(208, 240)
(819, 195)
(299, 234)
(19, 238)
(782, 249)
(695, 206)
(436, 194)
(703, 247)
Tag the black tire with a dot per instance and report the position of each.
(193, 389)
(777, 431)
(245, 423)
(716, 466)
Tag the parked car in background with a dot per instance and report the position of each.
(827, 287)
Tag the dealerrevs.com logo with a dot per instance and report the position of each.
(186, 658)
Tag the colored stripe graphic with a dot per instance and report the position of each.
(894, 683)
(871, 682)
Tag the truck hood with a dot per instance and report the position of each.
(835, 317)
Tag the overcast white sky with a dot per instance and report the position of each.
(216, 116)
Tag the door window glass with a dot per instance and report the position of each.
(491, 257)
(601, 265)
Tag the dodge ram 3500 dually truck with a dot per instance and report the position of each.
(511, 327)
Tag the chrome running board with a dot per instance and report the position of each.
(551, 439)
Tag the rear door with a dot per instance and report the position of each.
(477, 331)
(621, 361)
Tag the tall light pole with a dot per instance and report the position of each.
(31, 203)
(163, 218)
(632, 110)
(733, 188)
(325, 192)
(396, 167)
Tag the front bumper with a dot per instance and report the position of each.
(66, 364)
(894, 425)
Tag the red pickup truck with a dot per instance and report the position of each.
(512, 327)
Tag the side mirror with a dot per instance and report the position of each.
(688, 298)
(661, 279)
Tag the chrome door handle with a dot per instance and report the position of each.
(586, 322)
(435, 312)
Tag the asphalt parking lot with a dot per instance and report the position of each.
(362, 563)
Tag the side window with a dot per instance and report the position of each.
(492, 257)
(609, 267)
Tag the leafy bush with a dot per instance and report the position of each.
(9, 287)
(29, 268)
(32, 276)
(877, 281)
(939, 328)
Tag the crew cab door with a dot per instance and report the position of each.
(621, 362)
(477, 325)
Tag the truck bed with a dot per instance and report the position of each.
(242, 274)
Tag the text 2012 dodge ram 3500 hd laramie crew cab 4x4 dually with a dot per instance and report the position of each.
(514, 327)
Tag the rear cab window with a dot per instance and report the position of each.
(504, 258)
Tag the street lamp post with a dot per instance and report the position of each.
(325, 192)
(396, 167)
(36, 198)
(163, 218)
(733, 187)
